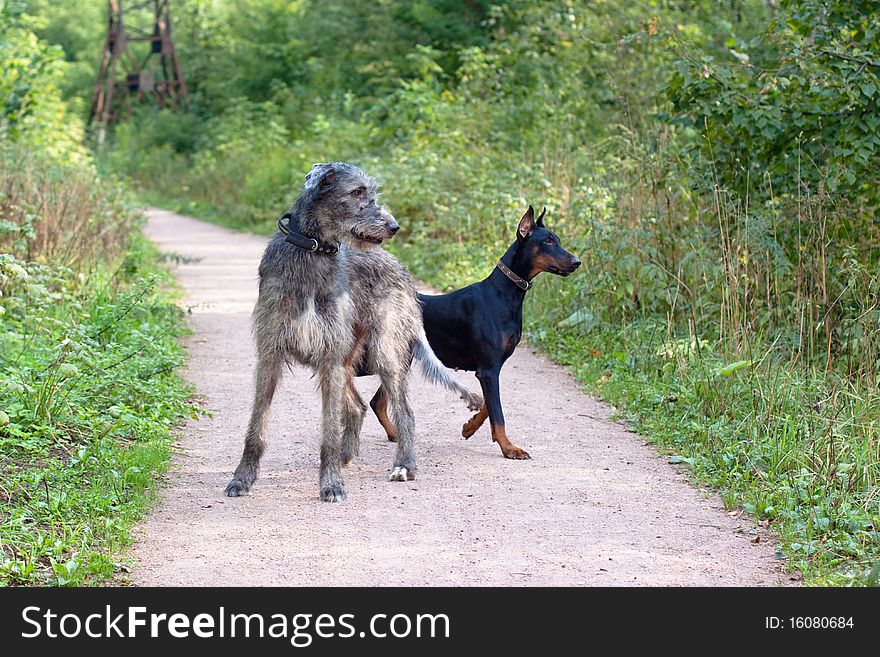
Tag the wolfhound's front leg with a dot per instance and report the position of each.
(265, 382)
(404, 468)
(333, 380)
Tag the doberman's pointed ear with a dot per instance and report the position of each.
(540, 220)
(526, 224)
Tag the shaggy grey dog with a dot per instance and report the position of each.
(333, 311)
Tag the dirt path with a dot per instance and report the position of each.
(595, 506)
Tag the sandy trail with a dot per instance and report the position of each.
(594, 506)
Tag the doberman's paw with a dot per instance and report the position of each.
(470, 427)
(514, 452)
(400, 473)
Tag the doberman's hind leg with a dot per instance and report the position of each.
(492, 393)
(379, 404)
(470, 427)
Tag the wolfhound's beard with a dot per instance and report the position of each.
(366, 233)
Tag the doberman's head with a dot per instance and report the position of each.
(539, 248)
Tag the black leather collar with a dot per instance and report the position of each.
(521, 283)
(303, 242)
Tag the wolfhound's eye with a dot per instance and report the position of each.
(359, 192)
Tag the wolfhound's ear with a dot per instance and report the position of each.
(540, 221)
(526, 224)
(320, 175)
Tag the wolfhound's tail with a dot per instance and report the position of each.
(435, 372)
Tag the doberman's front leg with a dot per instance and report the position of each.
(492, 394)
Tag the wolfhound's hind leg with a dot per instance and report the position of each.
(332, 385)
(404, 468)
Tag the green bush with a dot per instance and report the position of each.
(32, 112)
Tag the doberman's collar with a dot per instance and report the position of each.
(521, 283)
(303, 242)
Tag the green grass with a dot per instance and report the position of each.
(90, 399)
(797, 450)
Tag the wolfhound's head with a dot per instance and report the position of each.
(341, 203)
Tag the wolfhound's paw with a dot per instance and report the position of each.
(346, 456)
(474, 401)
(237, 487)
(332, 494)
(400, 473)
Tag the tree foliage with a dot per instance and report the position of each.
(32, 111)
(797, 105)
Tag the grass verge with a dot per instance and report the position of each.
(91, 399)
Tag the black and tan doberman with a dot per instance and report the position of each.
(478, 327)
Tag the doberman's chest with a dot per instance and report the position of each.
(474, 345)
(475, 329)
(510, 342)
(491, 348)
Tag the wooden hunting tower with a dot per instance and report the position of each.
(139, 63)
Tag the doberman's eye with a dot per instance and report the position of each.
(549, 240)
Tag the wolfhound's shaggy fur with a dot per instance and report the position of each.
(332, 313)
